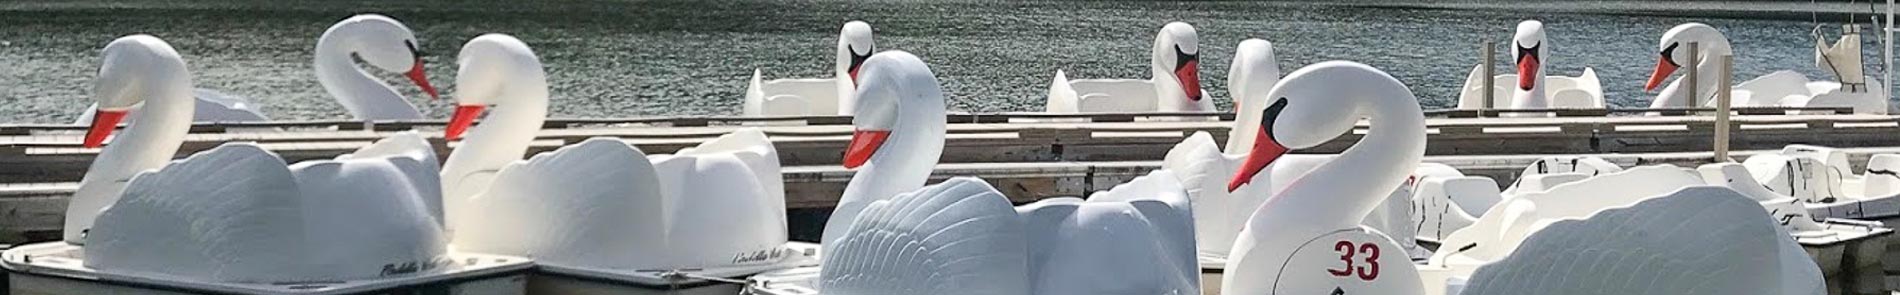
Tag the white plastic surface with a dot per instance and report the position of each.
(137, 70)
(1546, 91)
(1161, 92)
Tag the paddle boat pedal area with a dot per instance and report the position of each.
(724, 280)
(59, 268)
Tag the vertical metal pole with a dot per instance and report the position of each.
(1722, 100)
(1886, 78)
(1689, 79)
(1490, 77)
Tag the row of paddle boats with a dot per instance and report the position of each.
(238, 219)
(1174, 85)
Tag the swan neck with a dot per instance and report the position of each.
(499, 139)
(903, 164)
(149, 142)
(1343, 191)
(363, 95)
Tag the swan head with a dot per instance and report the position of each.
(1673, 50)
(488, 64)
(129, 67)
(1177, 53)
(1529, 52)
(387, 44)
(891, 79)
(1309, 107)
(854, 46)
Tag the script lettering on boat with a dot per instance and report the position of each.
(758, 256)
(410, 267)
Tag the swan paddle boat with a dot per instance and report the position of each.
(1175, 84)
(1203, 168)
(378, 40)
(1307, 239)
(1534, 88)
(601, 216)
(815, 96)
(1821, 179)
(962, 236)
(1781, 88)
(898, 139)
(237, 219)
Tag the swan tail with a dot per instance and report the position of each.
(956, 237)
(1062, 96)
(594, 204)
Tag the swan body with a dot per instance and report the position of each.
(820, 96)
(1175, 84)
(1507, 230)
(496, 70)
(378, 40)
(1530, 87)
(238, 214)
(1696, 240)
(961, 237)
(1782, 88)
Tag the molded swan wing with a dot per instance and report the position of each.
(587, 205)
(237, 214)
(724, 199)
(956, 237)
(1699, 240)
(416, 159)
(1136, 238)
(1202, 170)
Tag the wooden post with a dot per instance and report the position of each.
(1722, 100)
(1490, 77)
(1689, 78)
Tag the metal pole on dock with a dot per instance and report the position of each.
(1490, 76)
(1722, 100)
(1689, 79)
(1886, 70)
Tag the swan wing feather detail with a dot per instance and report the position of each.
(214, 215)
(587, 205)
(956, 237)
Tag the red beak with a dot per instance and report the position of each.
(422, 79)
(864, 143)
(103, 123)
(1190, 79)
(1527, 72)
(464, 116)
(1663, 69)
(1265, 151)
(854, 75)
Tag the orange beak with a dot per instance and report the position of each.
(422, 79)
(864, 143)
(103, 123)
(1663, 69)
(1190, 79)
(1265, 151)
(1527, 72)
(464, 117)
(854, 74)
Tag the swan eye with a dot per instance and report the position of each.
(1272, 113)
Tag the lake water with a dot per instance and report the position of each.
(640, 58)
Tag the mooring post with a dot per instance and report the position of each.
(1722, 100)
(1689, 79)
(1490, 76)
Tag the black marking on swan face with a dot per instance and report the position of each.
(1272, 113)
(1181, 58)
(1883, 172)
(1669, 53)
(1529, 51)
(858, 59)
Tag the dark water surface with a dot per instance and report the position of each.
(637, 58)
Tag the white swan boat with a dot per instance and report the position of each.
(1782, 88)
(963, 237)
(1531, 87)
(1821, 179)
(1175, 85)
(238, 219)
(1307, 240)
(818, 96)
(601, 216)
(378, 40)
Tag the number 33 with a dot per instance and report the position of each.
(1346, 250)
